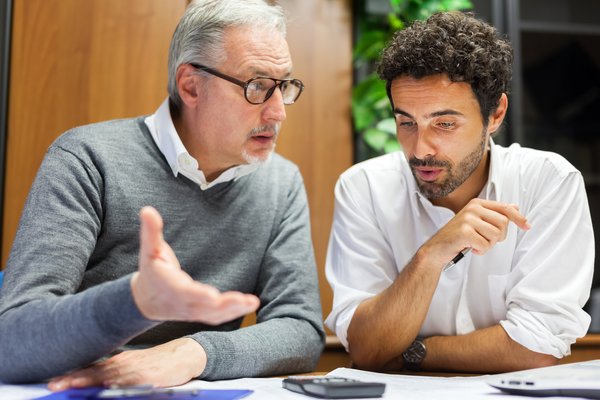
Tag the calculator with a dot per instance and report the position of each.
(329, 387)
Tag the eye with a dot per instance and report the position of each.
(258, 85)
(405, 124)
(446, 124)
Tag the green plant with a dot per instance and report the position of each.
(373, 120)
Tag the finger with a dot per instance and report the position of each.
(225, 307)
(81, 378)
(238, 304)
(87, 381)
(493, 225)
(247, 302)
(59, 383)
(151, 236)
(480, 245)
(132, 378)
(510, 211)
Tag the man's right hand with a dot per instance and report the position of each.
(479, 226)
(163, 291)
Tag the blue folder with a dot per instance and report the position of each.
(98, 393)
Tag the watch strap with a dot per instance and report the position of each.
(414, 355)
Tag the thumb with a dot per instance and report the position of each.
(151, 236)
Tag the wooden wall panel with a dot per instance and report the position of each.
(74, 62)
(317, 134)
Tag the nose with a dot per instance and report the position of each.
(274, 109)
(423, 145)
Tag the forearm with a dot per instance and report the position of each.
(385, 325)
(48, 337)
(274, 347)
(488, 350)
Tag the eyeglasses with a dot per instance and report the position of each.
(260, 89)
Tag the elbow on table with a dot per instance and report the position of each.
(306, 357)
(367, 358)
(537, 360)
(545, 360)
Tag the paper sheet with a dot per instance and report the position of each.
(403, 387)
(22, 392)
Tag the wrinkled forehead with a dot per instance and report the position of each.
(257, 50)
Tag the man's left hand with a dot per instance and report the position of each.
(169, 364)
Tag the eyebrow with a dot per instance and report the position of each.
(432, 115)
(259, 72)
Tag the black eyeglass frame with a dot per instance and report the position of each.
(244, 85)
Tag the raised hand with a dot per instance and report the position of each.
(163, 291)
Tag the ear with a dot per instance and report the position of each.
(188, 84)
(498, 115)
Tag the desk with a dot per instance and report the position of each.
(585, 349)
(335, 356)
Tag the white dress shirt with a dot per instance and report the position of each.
(166, 138)
(534, 283)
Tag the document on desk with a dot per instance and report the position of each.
(413, 387)
(22, 392)
(402, 387)
(398, 387)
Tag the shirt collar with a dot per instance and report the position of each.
(165, 135)
(493, 187)
(166, 138)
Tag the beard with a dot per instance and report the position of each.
(259, 159)
(455, 175)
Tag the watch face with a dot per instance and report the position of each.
(415, 353)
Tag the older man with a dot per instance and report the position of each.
(76, 292)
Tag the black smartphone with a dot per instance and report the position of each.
(328, 387)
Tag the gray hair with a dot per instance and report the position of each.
(199, 36)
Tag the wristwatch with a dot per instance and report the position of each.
(414, 355)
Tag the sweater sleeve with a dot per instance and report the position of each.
(47, 327)
(289, 334)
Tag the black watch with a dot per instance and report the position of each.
(414, 355)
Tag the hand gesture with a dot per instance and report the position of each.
(163, 291)
(479, 226)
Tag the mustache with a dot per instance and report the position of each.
(273, 128)
(428, 162)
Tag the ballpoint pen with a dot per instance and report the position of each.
(457, 258)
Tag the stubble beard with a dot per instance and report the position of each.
(456, 176)
(260, 159)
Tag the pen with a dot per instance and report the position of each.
(457, 258)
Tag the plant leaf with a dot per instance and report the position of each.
(450, 5)
(387, 125)
(375, 138)
(370, 44)
(391, 146)
(364, 115)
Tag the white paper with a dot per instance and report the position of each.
(398, 387)
(22, 392)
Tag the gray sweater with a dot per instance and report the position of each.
(66, 299)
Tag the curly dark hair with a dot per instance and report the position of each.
(453, 43)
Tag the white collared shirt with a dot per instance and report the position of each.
(166, 138)
(534, 283)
